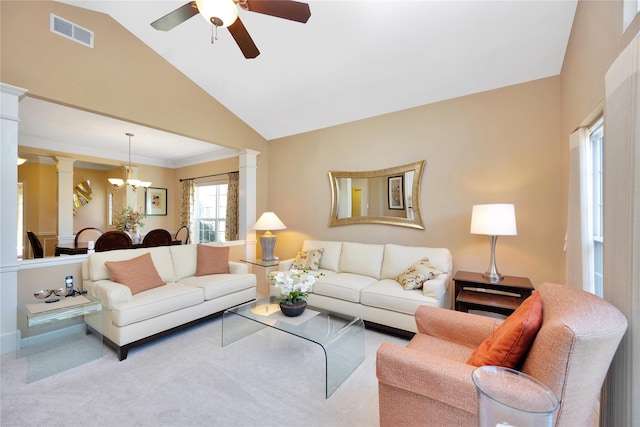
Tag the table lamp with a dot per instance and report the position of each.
(268, 221)
(493, 220)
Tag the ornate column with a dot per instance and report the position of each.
(248, 166)
(64, 166)
(9, 119)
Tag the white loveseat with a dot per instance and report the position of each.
(130, 320)
(359, 280)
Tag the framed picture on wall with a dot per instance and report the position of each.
(156, 201)
(396, 193)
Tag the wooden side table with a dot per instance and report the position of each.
(474, 292)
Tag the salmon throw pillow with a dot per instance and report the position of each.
(138, 273)
(512, 339)
(212, 260)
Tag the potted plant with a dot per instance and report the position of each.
(294, 290)
(129, 221)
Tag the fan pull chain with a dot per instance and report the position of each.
(214, 33)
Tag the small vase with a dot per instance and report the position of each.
(135, 236)
(293, 310)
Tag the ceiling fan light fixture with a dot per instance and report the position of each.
(220, 13)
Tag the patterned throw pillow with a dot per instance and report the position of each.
(308, 260)
(415, 276)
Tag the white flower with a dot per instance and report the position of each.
(293, 285)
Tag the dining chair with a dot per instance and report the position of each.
(36, 247)
(111, 240)
(157, 237)
(87, 234)
(183, 235)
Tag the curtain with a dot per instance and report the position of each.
(621, 248)
(579, 243)
(186, 206)
(232, 225)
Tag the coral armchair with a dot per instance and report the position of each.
(428, 382)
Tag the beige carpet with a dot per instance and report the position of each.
(188, 379)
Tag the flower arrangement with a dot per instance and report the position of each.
(293, 287)
(128, 220)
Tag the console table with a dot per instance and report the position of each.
(55, 336)
(474, 292)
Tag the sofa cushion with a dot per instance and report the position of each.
(389, 295)
(398, 258)
(185, 260)
(212, 260)
(361, 258)
(345, 286)
(308, 260)
(417, 274)
(437, 287)
(161, 257)
(512, 339)
(138, 273)
(217, 285)
(155, 302)
(331, 256)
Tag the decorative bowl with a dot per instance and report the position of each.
(45, 293)
(61, 292)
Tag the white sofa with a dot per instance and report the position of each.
(359, 280)
(130, 320)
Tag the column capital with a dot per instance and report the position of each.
(64, 164)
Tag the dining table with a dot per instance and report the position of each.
(83, 247)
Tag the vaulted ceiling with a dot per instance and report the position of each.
(356, 59)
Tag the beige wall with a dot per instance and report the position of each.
(497, 146)
(120, 77)
(596, 40)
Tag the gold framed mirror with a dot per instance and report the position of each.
(386, 196)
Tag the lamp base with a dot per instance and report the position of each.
(492, 273)
(268, 243)
(493, 277)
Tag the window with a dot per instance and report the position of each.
(210, 212)
(630, 9)
(596, 142)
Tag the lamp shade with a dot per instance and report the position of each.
(494, 220)
(269, 221)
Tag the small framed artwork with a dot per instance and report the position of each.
(156, 201)
(396, 193)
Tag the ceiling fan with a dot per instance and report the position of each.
(224, 13)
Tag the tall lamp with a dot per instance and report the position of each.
(268, 221)
(493, 221)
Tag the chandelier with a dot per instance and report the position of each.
(129, 180)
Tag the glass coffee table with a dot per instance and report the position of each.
(340, 336)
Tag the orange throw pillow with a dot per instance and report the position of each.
(512, 339)
(138, 273)
(212, 260)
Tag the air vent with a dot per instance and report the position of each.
(71, 31)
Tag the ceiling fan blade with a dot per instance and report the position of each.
(243, 39)
(178, 16)
(285, 9)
